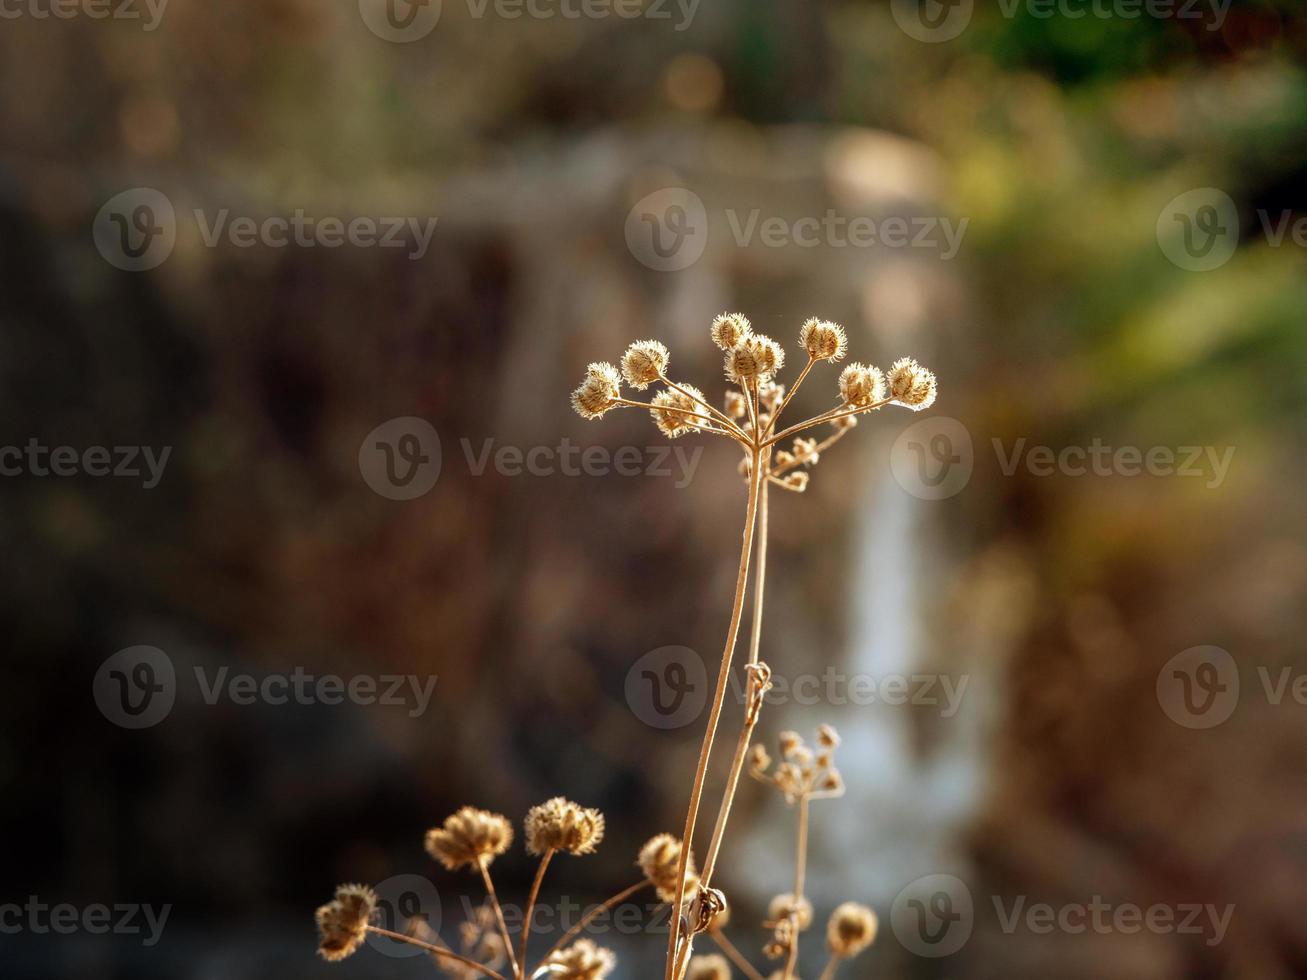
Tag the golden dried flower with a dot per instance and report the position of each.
(789, 742)
(343, 922)
(783, 905)
(677, 423)
(729, 329)
(598, 392)
(644, 362)
(823, 340)
(844, 422)
(851, 929)
(469, 837)
(827, 736)
(798, 481)
(709, 967)
(911, 384)
(583, 960)
(736, 407)
(756, 358)
(659, 859)
(784, 458)
(832, 782)
(561, 825)
(862, 385)
(805, 451)
(771, 394)
(759, 760)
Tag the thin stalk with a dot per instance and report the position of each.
(835, 413)
(668, 408)
(435, 950)
(734, 954)
(720, 416)
(831, 964)
(531, 900)
(800, 870)
(750, 717)
(499, 916)
(589, 917)
(782, 468)
(788, 395)
(723, 675)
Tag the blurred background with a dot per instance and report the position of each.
(301, 447)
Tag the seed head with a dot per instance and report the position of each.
(831, 782)
(677, 423)
(844, 422)
(756, 358)
(710, 967)
(735, 405)
(771, 394)
(796, 481)
(911, 384)
(823, 340)
(598, 392)
(659, 859)
(783, 905)
(561, 825)
(644, 362)
(469, 837)
(729, 329)
(862, 385)
(790, 741)
(759, 760)
(827, 736)
(851, 929)
(583, 960)
(805, 451)
(343, 922)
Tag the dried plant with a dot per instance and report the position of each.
(472, 838)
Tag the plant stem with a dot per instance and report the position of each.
(750, 717)
(531, 901)
(589, 917)
(783, 468)
(717, 414)
(734, 954)
(435, 950)
(678, 411)
(499, 916)
(839, 412)
(788, 395)
(831, 964)
(723, 675)
(800, 870)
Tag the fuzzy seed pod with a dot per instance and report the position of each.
(709, 967)
(561, 825)
(844, 422)
(583, 960)
(797, 481)
(673, 424)
(862, 385)
(659, 859)
(736, 407)
(851, 929)
(771, 395)
(783, 905)
(759, 760)
(644, 362)
(469, 837)
(823, 340)
(343, 922)
(756, 358)
(911, 384)
(832, 782)
(789, 742)
(729, 329)
(805, 451)
(598, 392)
(827, 736)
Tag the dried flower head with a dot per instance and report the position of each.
(710, 967)
(844, 422)
(659, 859)
(561, 825)
(805, 451)
(823, 340)
(736, 407)
(677, 423)
(343, 922)
(771, 395)
(583, 960)
(831, 782)
(729, 329)
(911, 384)
(759, 760)
(827, 736)
(789, 741)
(598, 392)
(644, 362)
(756, 358)
(469, 837)
(785, 905)
(851, 929)
(797, 481)
(862, 385)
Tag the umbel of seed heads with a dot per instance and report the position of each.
(752, 362)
